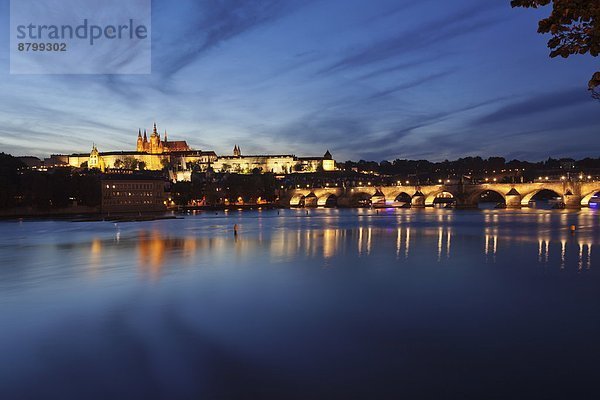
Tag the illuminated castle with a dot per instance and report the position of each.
(157, 146)
(156, 153)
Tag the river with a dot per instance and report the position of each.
(303, 305)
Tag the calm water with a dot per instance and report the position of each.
(336, 304)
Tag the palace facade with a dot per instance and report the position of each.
(156, 153)
(279, 164)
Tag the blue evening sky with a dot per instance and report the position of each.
(377, 79)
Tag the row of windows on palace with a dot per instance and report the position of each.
(119, 202)
(127, 194)
(131, 186)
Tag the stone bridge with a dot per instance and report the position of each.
(516, 195)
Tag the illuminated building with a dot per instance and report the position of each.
(279, 164)
(155, 153)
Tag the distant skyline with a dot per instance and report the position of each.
(373, 80)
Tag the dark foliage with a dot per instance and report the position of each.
(574, 26)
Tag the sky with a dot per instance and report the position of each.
(374, 80)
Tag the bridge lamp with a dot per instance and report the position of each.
(562, 178)
(407, 182)
(487, 179)
(540, 178)
(589, 177)
(448, 181)
(547, 178)
(580, 176)
(495, 180)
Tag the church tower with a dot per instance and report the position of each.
(140, 142)
(95, 161)
(237, 152)
(155, 144)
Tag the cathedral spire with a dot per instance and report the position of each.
(166, 140)
(154, 132)
(139, 133)
(145, 136)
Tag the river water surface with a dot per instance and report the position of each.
(334, 304)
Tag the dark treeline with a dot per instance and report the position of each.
(476, 166)
(58, 188)
(216, 188)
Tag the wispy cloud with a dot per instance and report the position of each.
(209, 24)
(539, 103)
(425, 35)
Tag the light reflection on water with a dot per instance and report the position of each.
(360, 297)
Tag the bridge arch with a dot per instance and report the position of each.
(432, 198)
(529, 196)
(360, 198)
(327, 200)
(297, 200)
(403, 197)
(477, 196)
(585, 201)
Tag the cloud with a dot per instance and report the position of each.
(211, 23)
(403, 66)
(539, 103)
(411, 84)
(433, 33)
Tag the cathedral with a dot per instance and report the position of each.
(157, 146)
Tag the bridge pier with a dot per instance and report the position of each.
(418, 200)
(572, 201)
(513, 200)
